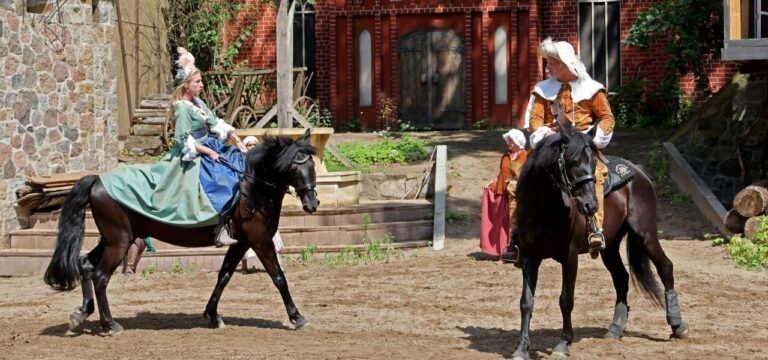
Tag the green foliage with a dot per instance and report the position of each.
(751, 255)
(149, 270)
(389, 151)
(197, 26)
(482, 124)
(178, 267)
(454, 217)
(659, 167)
(307, 252)
(372, 251)
(690, 30)
(627, 104)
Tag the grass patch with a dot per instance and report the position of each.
(454, 217)
(405, 149)
(748, 254)
(659, 167)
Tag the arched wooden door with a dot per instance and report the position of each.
(432, 79)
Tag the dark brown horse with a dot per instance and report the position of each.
(555, 193)
(270, 169)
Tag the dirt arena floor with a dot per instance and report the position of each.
(451, 304)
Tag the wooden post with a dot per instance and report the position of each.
(438, 237)
(285, 64)
(125, 64)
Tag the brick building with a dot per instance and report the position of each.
(441, 60)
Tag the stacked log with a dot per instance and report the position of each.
(748, 206)
(46, 193)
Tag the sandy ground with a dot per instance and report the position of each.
(450, 304)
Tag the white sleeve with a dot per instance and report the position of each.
(539, 135)
(222, 129)
(189, 150)
(527, 123)
(601, 140)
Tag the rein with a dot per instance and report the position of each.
(224, 162)
(564, 182)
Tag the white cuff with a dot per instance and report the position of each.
(222, 129)
(601, 140)
(539, 135)
(189, 150)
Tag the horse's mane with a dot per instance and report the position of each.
(283, 150)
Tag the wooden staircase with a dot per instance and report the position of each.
(149, 127)
(330, 229)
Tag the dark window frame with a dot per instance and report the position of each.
(601, 65)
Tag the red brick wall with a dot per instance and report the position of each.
(336, 62)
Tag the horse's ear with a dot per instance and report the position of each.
(592, 132)
(306, 136)
(565, 132)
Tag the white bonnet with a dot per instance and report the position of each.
(515, 136)
(250, 139)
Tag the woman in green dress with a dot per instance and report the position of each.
(189, 186)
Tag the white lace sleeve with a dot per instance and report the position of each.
(222, 129)
(189, 150)
(601, 140)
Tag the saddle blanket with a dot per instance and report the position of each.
(619, 174)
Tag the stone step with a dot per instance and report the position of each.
(15, 262)
(378, 212)
(343, 235)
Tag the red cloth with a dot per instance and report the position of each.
(494, 223)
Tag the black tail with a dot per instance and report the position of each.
(640, 266)
(63, 272)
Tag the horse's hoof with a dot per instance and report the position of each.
(680, 333)
(562, 350)
(71, 333)
(300, 323)
(521, 354)
(612, 336)
(76, 319)
(215, 322)
(113, 330)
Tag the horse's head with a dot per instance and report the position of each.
(292, 165)
(577, 157)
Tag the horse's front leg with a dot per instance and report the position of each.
(268, 258)
(231, 259)
(530, 276)
(87, 265)
(569, 269)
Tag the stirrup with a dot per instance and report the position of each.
(596, 241)
(218, 237)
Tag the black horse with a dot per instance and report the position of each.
(270, 169)
(555, 193)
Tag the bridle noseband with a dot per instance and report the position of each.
(564, 181)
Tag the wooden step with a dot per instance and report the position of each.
(155, 103)
(14, 262)
(342, 235)
(378, 212)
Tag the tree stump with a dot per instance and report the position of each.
(751, 227)
(751, 201)
(734, 222)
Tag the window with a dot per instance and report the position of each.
(365, 78)
(500, 64)
(304, 43)
(761, 15)
(599, 40)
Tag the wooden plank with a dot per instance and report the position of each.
(154, 121)
(147, 130)
(59, 178)
(155, 104)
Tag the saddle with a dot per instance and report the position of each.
(619, 174)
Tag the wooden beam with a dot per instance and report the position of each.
(125, 63)
(438, 237)
(284, 30)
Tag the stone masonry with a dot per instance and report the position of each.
(58, 102)
(725, 143)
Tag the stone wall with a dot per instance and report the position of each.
(58, 103)
(725, 143)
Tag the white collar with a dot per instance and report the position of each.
(197, 109)
(583, 89)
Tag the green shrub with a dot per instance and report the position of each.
(389, 151)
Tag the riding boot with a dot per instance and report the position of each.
(512, 252)
(596, 237)
(131, 259)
